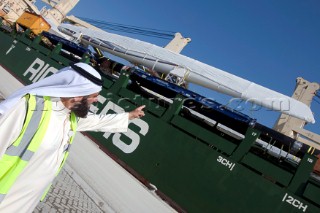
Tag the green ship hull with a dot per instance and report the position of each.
(192, 164)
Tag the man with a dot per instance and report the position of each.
(37, 126)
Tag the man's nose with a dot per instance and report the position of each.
(95, 100)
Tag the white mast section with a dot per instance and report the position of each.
(165, 61)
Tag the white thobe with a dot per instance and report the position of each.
(29, 187)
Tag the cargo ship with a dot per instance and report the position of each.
(194, 153)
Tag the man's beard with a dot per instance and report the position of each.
(81, 109)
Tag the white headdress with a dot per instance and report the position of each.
(79, 79)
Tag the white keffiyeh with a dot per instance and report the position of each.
(65, 83)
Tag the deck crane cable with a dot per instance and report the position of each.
(134, 31)
(164, 34)
(130, 26)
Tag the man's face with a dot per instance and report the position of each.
(82, 106)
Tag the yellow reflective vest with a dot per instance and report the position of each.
(17, 155)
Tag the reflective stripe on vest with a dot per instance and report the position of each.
(20, 152)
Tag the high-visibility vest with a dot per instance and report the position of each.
(17, 155)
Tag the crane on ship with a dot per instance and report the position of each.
(292, 127)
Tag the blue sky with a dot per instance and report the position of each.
(269, 42)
